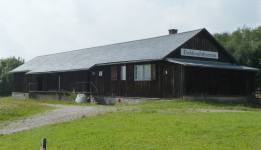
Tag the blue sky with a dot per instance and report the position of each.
(32, 28)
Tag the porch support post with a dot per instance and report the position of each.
(59, 84)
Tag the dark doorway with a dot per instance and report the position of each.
(40, 83)
(223, 83)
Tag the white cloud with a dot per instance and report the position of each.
(31, 28)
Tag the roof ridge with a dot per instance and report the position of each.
(118, 43)
(154, 47)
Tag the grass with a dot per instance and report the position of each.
(146, 130)
(13, 109)
(200, 104)
(63, 102)
(150, 126)
(48, 101)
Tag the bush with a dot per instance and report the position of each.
(73, 95)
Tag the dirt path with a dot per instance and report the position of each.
(71, 112)
(60, 114)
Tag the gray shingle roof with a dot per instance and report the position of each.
(146, 49)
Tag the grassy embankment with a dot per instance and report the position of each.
(18, 109)
(152, 125)
(15, 109)
(48, 101)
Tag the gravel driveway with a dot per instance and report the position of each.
(71, 112)
(60, 114)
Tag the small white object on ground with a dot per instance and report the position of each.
(80, 98)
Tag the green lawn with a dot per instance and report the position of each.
(15, 109)
(183, 105)
(63, 102)
(146, 130)
(146, 126)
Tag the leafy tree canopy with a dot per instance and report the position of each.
(6, 78)
(245, 45)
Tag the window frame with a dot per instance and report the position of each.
(137, 74)
(123, 73)
(100, 73)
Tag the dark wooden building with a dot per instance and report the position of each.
(178, 65)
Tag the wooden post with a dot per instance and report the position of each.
(43, 144)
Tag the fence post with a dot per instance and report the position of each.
(43, 144)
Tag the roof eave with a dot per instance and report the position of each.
(210, 65)
(19, 71)
(60, 71)
(125, 62)
(102, 64)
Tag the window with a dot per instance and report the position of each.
(146, 72)
(123, 72)
(100, 73)
(142, 72)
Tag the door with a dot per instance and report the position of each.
(40, 83)
(168, 84)
(223, 83)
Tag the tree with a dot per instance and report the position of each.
(6, 78)
(245, 45)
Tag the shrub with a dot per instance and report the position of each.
(73, 95)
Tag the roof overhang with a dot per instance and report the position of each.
(208, 64)
(82, 69)
(126, 62)
(19, 71)
(59, 71)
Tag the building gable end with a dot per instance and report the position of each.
(203, 47)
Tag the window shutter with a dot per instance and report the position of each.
(113, 72)
(135, 72)
(153, 71)
(123, 72)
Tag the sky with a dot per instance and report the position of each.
(30, 28)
